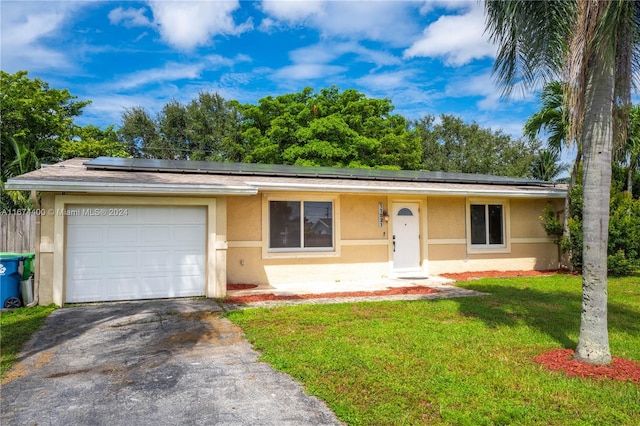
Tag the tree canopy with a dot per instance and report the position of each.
(450, 145)
(329, 128)
(37, 126)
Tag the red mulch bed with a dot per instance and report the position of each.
(388, 292)
(464, 276)
(562, 360)
(241, 286)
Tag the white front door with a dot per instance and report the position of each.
(406, 237)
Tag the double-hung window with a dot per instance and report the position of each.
(487, 225)
(301, 226)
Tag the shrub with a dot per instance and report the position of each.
(624, 231)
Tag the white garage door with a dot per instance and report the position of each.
(127, 253)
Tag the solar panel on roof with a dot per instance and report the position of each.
(279, 170)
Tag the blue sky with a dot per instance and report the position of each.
(428, 57)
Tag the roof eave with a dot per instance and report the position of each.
(126, 188)
(466, 192)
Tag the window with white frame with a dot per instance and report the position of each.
(301, 226)
(487, 223)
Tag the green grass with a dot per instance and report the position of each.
(465, 361)
(16, 328)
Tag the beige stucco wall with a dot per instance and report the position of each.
(446, 218)
(244, 218)
(238, 240)
(44, 254)
(525, 218)
(529, 246)
(361, 249)
(51, 261)
(359, 217)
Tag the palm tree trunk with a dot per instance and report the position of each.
(597, 134)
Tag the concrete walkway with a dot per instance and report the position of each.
(444, 287)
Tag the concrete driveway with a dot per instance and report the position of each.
(150, 363)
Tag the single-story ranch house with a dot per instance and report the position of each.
(123, 229)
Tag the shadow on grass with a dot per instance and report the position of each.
(555, 313)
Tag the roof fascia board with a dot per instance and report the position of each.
(134, 188)
(290, 187)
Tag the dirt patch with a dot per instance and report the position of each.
(562, 360)
(388, 292)
(17, 371)
(464, 276)
(43, 359)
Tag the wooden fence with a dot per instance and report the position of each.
(18, 233)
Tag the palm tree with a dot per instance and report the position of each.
(547, 166)
(551, 118)
(554, 120)
(593, 45)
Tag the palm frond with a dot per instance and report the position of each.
(532, 37)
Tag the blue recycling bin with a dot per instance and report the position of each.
(10, 282)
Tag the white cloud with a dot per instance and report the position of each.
(129, 17)
(387, 81)
(169, 73)
(480, 85)
(173, 72)
(458, 39)
(387, 21)
(308, 71)
(483, 86)
(294, 11)
(328, 52)
(24, 30)
(187, 24)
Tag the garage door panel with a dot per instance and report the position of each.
(156, 234)
(120, 288)
(185, 258)
(79, 262)
(85, 236)
(187, 216)
(155, 215)
(150, 254)
(123, 234)
(153, 260)
(122, 261)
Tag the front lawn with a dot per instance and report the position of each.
(466, 361)
(16, 328)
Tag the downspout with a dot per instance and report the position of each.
(36, 277)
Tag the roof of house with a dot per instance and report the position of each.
(109, 175)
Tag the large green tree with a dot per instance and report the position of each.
(593, 45)
(451, 145)
(329, 128)
(208, 128)
(91, 141)
(35, 120)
